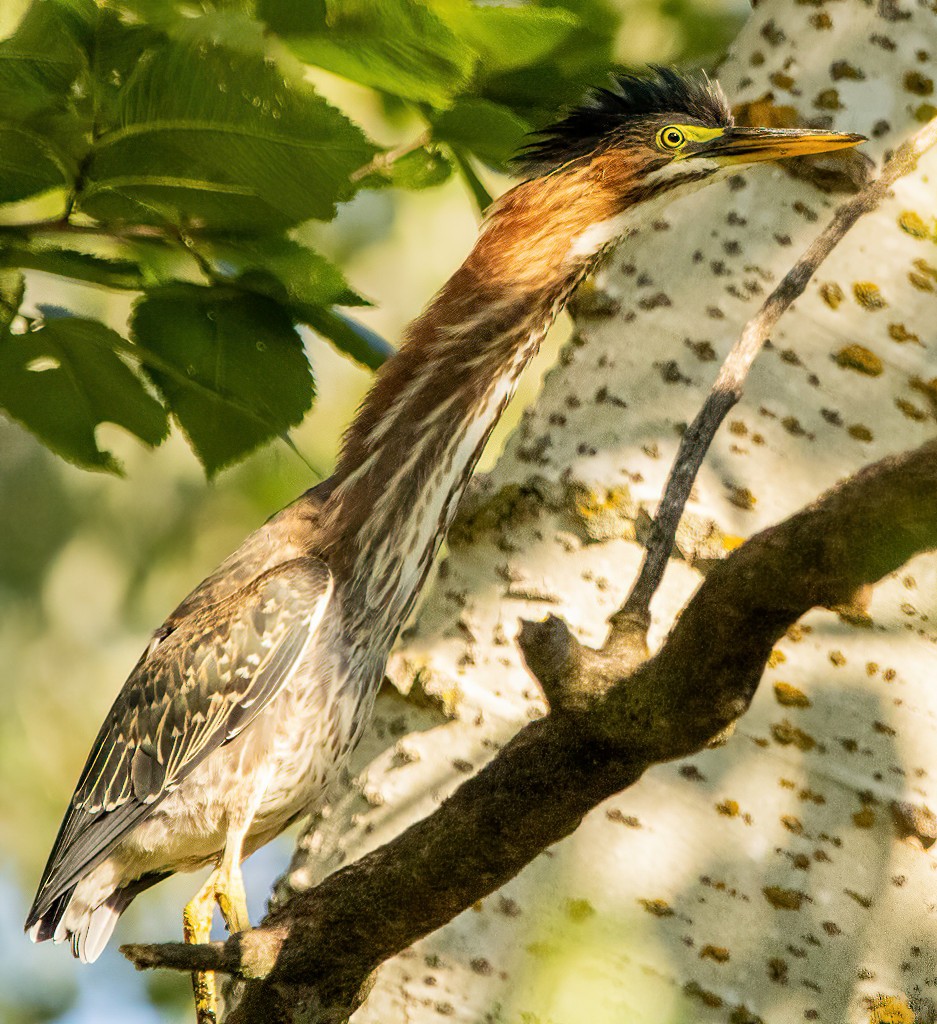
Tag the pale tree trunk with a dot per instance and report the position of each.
(785, 875)
(778, 877)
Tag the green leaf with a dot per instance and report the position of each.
(282, 269)
(510, 38)
(222, 138)
(354, 339)
(398, 46)
(50, 258)
(230, 365)
(489, 130)
(480, 194)
(28, 165)
(41, 62)
(421, 168)
(64, 379)
(586, 57)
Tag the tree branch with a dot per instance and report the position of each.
(730, 383)
(611, 721)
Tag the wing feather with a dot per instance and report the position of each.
(201, 686)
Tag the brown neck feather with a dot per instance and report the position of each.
(410, 450)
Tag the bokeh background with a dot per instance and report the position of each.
(91, 563)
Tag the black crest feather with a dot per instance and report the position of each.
(606, 113)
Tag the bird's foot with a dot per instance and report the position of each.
(231, 896)
(196, 928)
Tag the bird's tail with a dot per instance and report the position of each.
(87, 927)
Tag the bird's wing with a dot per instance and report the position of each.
(197, 689)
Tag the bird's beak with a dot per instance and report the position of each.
(752, 145)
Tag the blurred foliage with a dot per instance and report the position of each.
(166, 147)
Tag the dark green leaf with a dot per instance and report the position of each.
(223, 138)
(37, 254)
(305, 275)
(28, 165)
(490, 131)
(230, 365)
(585, 58)
(64, 379)
(360, 342)
(41, 62)
(480, 194)
(399, 46)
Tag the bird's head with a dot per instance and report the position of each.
(646, 139)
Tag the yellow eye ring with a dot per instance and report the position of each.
(670, 137)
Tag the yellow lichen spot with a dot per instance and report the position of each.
(728, 808)
(910, 410)
(784, 899)
(928, 388)
(603, 516)
(860, 359)
(860, 432)
(792, 824)
(776, 657)
(869, 295)
(913, 224)
(579, 910)
(742, 498)
(925, 112)
(719, 954)
(922, 283)
(918, 84)
(828, 99)
(790, 696)
(838, 658)
(707, 998)
(889, 1010)
(787, 734)
(926, 269)
(832, 294)
(741, 1014)
(659, 908)
(738, 428)
(864, 818)
(901, 334)
(730, 542)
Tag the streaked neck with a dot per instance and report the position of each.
(409, 453)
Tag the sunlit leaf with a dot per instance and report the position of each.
(424, 167)
(223, 138)
(508, 38)
(399, 46)
(230, 365)
(64, 379)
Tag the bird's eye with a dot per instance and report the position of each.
(670, 137)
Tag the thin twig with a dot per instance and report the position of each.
(729, 384)
(386, 159)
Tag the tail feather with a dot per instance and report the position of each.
(89, 928)
(41, 928)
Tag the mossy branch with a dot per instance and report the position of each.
(617, 714)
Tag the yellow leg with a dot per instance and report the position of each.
(196, 928)
(229, 886)
(226, 886)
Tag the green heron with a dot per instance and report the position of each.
(251, 695)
